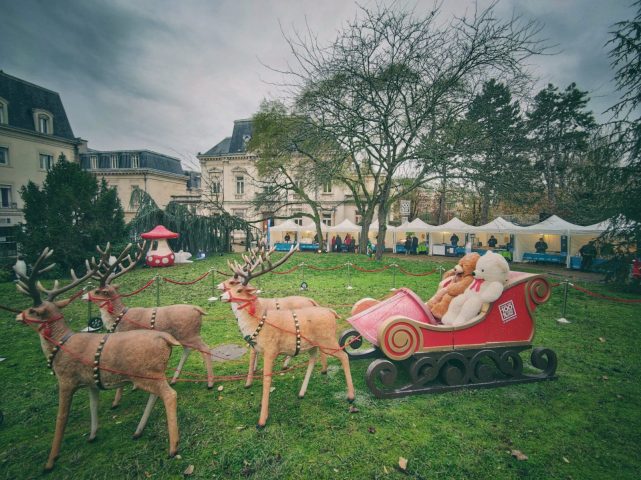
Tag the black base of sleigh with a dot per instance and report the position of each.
(444, 371)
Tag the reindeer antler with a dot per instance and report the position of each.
(29, 285)
(105, 272)
(259, 258)
(32, 287)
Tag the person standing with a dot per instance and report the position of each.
(491, 242)
(454, 239)
(408, 245)
(588, 254)
(541, 246)
(414, 245)
(339, 243)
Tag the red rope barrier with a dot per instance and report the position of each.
(356, 267)
(425, 274)
(312, 267)
(293, 269)
(136, 292)
(605, 297)
(176, 282)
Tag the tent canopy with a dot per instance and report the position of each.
(454, 225)
(374, 227)
(286, 226)
(311, 227)
(498, 225)
(346, 226)
(416, 225)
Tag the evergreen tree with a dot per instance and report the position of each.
(495, 144)
(71, 214)
(626, 60)
(559, 128)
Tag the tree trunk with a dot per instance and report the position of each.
(366, 220)
(382, 230)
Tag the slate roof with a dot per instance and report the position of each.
(146, 160)
(234, 144)
(23, 97)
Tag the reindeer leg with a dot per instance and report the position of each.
(310, 368)
(344, 359)
(323, 359)
(186, 351)
(253, 361)
(93, 408)
(145, 416)
(117, 398)
(268, 368)
(170, 399)
(65, 395)
(205, 352)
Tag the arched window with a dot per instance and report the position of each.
(43, 121)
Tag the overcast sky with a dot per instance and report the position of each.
(172, 76)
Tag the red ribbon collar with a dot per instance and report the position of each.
(45, 325)
(244, 303)
(108, 302)
(476, 285)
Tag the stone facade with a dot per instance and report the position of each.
(230, 177)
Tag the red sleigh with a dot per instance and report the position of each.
(483, 352)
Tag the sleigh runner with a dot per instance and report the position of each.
(484, 352)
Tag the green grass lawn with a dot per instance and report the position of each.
(586, 424)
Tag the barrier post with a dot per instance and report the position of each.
(157, 279)
(212, 272)
(303, 283)
(440, 271)
(564, 304)
(394, 267)
(349, 276)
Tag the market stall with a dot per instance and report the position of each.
(416, 227)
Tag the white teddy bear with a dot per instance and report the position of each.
(490, 277)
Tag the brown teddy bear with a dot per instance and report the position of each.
(455, 283)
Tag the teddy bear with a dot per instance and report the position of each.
(453, 284)
(490, 277)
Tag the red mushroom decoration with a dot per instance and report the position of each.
(160, 254)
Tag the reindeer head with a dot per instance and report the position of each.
(47, 312)
(106, 273)
(239, 293)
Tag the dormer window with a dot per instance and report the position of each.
(135, 161)
(43, 121)
(4, 111)
(114, 161)
(93, 162)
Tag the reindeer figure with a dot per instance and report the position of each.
(96, 361)
(287, 303)
(183, 322)
(272, 332)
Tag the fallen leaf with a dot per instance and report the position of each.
(563, 320)
(336, 470)
(371, 430)
(519, 455)
(272, 389)
(220, 388)
(178, 457)
(147, 474)
(220, 397)
(385, 470)
(242, 427)
(353, 409)
(605, 377)
(619, 396)
(602, 339)
(566, 460)
(402, 463)
(189, 470)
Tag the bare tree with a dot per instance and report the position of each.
(382, 88)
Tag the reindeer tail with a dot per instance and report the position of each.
(334, 312)
(200, 310)
(171, 341)
(314, 303)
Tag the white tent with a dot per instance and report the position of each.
(416, 225)
(390, 234)
(438, 243)
(286, 226)
(551, 230)
(346, 226)
(499, 227)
